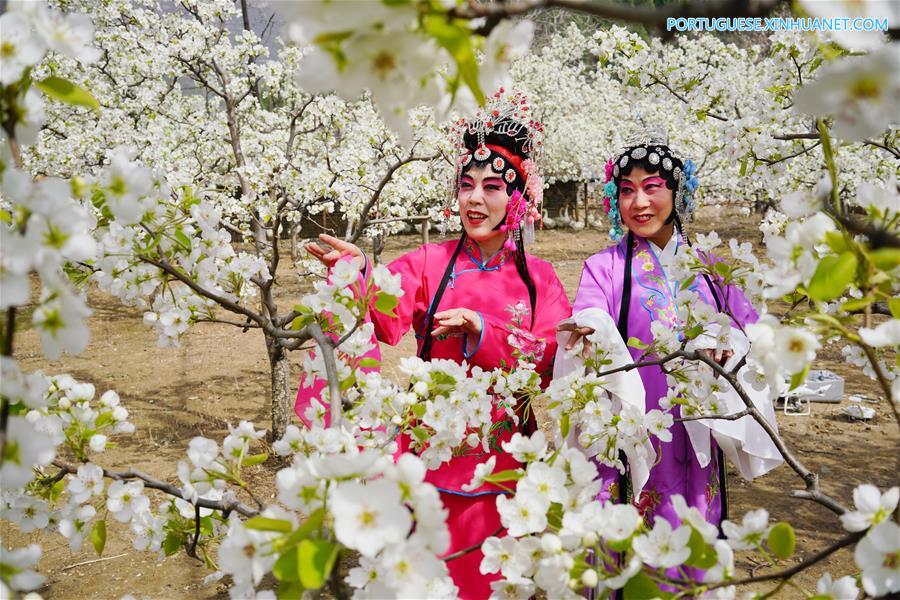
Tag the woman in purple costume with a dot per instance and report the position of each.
(649, 190)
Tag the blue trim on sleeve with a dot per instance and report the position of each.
(465, 340)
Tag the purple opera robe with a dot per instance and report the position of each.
(491, 289)
(678, 470)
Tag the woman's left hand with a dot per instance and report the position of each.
(719, 357)
(456, 322)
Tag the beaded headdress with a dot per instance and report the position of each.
(652, 145)
(506, 114)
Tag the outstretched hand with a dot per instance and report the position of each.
(577, 333)
(339, 249)
(456, 322)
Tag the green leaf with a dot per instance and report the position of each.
(302, 321)
(171, 544)
(686, 283)
(722, 269)
(385, 304)
(183, 240)
(798, 378)
(418, 410)
(564, 425)
(833, 275)
(642, 586)
(267, 524)
(456, 37)
(421, 433)
(287, 567)
(348, 383)
(894, 305)
(857, 304)
(836, 241)
(206, 525)
(316, 559)
(290, 590)
(98, 536)
(306, 528)
(781, 540)
(254, 459)
(634, 342)
(369, 362)
(886, 259)
(66, 91)
(703, 556)
(555, 515)
(693, 332)
(501, 476)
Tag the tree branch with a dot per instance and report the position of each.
(334, 387)
(364, 215)
(169, 489)
(802, 566)
(812, 492)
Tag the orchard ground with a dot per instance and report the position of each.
(221, 375)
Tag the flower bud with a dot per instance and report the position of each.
(550, 543)
(589, 578)
(590, 538)
(421, 388)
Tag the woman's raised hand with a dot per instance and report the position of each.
(456, 322)
(576, 334)
(339, 249)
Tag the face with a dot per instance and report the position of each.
(482, 203)
(645, 203)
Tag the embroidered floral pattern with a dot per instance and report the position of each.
(526, 346)
(647, 503)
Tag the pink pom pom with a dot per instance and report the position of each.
(508, 244)
(503, 228)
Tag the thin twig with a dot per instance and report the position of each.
(96, 560)
(156, 484)
(471, 548)
(731, 417)
(364, 214)
(192, 551)
(802, 566)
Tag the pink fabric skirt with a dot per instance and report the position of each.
(471, 520)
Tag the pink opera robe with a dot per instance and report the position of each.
(678, 470)
(491, 289)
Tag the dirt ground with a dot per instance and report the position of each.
(220, 375)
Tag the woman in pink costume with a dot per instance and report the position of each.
(650, 190)
(479, 299)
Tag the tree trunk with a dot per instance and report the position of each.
(282, 386)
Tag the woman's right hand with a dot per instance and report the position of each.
(339, 249)
(576, 334)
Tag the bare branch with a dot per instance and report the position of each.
(802, 566)
(156, 484)
(812, 492)
(334, 388)
(364, 215)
